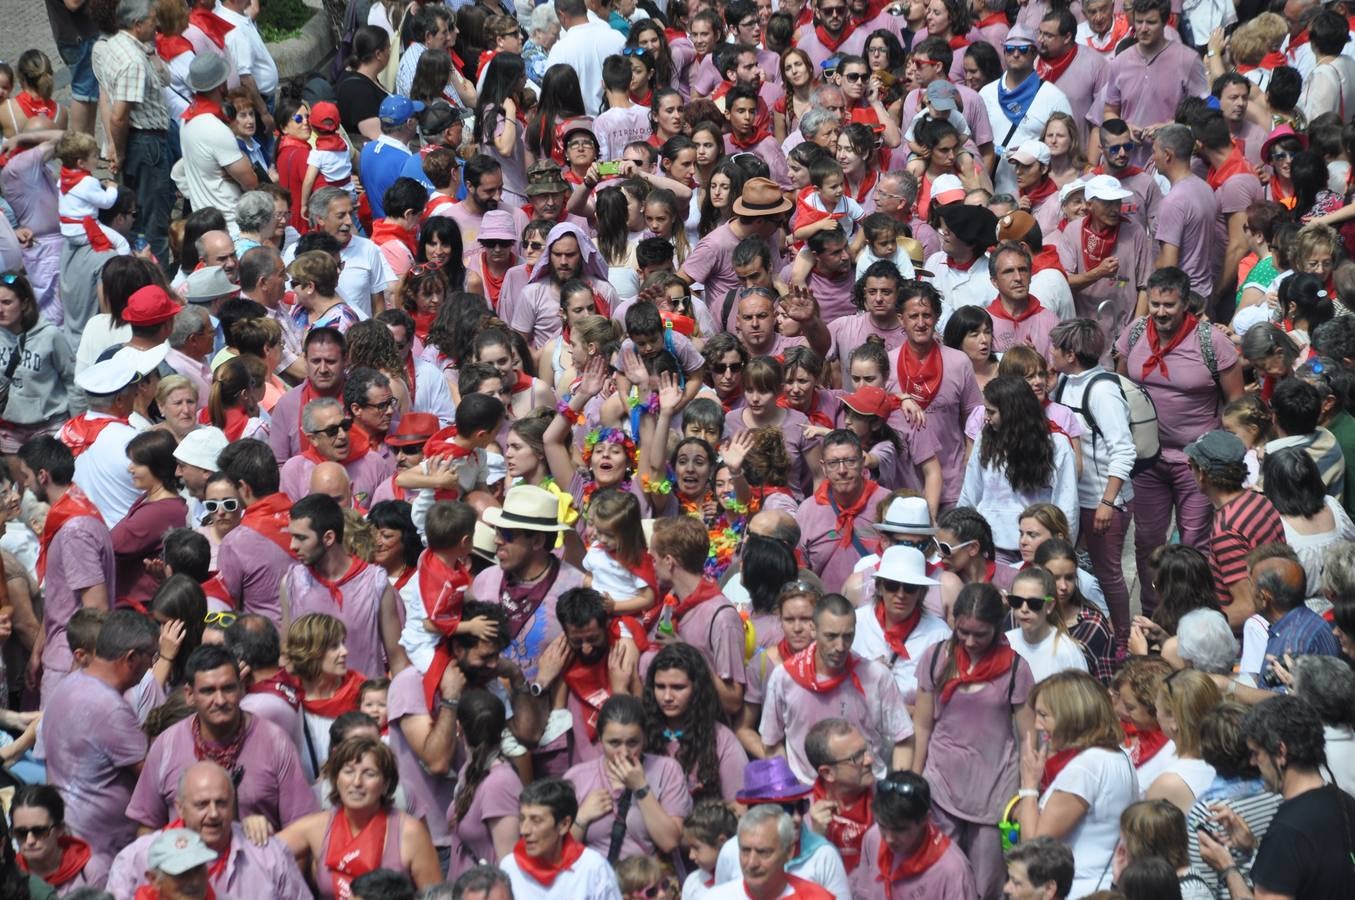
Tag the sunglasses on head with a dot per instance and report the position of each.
(424, 268)
(1034, 604)
(333, 431)
(634, 51)
(230, 504)
(220, 617)
(9, 278)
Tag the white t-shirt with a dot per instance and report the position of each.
(1105, 781)
(1050, 656)
(1162, 760)
(610, 576)
(208, 148)
(694, 888)
(823, 867)
(870, 643)
(1048, 100)
(365, 272)
(590, 877)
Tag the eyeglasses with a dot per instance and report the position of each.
(230, 504)
(579, 144)
(721, 368)
(333, 431)
(1018, 48)
(846, 462)
(534, 245)
(798, 807)
(854, 76)
(921, 546)
(220, 617)
(1034, 604)
(496, 245)
(857, 759)
(409, 450)
(924, 61)
(392, 404)
(21, 833)
(951, 549)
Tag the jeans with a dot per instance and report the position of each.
(1158, 492)
(146, 171)
(1107, 552)
(84, 86)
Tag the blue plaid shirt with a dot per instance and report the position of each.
(1300, 632)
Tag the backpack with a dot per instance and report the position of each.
(1142, 415)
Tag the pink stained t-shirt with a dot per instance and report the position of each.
(711, 263)
(822, 545)
(1187, 219)
(798, 478)
(429, 795)
(1033, 331)
(955, 399)
(1233, 196)
(252, 566)
(850, 332)
(495, 798)
(731, 759)
(1147, 91)
(949, 878)
(715, 629)
(364, 473)
(1082, 83)
(359, 609)
(616, 127)
(79, 557)
(834, 295)
(665, 779)
(1135, 253)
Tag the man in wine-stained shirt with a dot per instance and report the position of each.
(254, 557)
(833, 33)
(325, 353)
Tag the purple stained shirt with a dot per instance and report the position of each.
(284, 428)
(251, 871)
(769, 150)
(1048, 214)
(955, 399)
(536, 309)
(822, 545)
(1234, 195)
(1147, 91)
(93, 742)
(429, 795)
(252, 567)
(1033, 331)
(711, 263)
(617, 127)
(949, 878)
(541, 626)
(360, 611)
(895, 469)
(668, 784)
(273, 784)
(683, 350)
(1187, 219)
(833, 294)
(1143, 207)
(364, 473)
(1082, 83)
(715, 629)
(798, 477)
(1135, 253)
(850, 332)
(495, 798)
(79, 557)
(789, 711)
(808, 41)
(732, 759)
(31, 190)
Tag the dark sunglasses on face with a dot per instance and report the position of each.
(333, 431)
(40, 831)
(854, 76)
(1017, 48)
(921, 546)
(1034, 604)
(1120, 148)
(798, 807)
(230, 504)
(496, 245)
(534, 245)
(722, 368)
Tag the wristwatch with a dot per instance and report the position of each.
(535, 689)
(642, 793)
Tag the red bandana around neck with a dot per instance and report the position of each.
(848, 825)
(523, 383)
(75, 855)
(951, 263)
(997, 310)
(920, 378)
(995, 18)
(212, 25)
(345, 699)
(1157, 354)
(72, 505)
(1047, 258)
(330, 142)
(829, 42)
(1143, 745)
(758, 137)
(171, 46)
(33, 105)
(1053, 69)
(1118, 31)
(352, 855)
(815, 415)
(201, 106)
(1234, 164)
(269, 517)
(995, 664)
(800, 668)
(543, 873)
(896, 636)
(934, 845)
(705, 589)
(385, 230)
(846, 515)
(355, 568)
(590, 683)
(80, 433)
(959, 42)
(443, 589)
(1055, 764)
(1043, 190)
(1097, 243)
(236, 422)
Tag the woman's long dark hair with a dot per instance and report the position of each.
(663, 60)
(1183, 581)
(613, 214)
(1309, 175)
(766, 565)
(503, 80)
(121, 277)
(1293, 483)
(395, 515)
(696, 744)
(180, 597)
(1021, 443)
(431, 76)
(710, 216)
(198, 223)
(561, 99)
(481, 717)
(368, 41)
(445, 229)
(981, 601)
(459, 317)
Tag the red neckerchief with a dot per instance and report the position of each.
(1234, 164)
(919, 378)
(846, 515)
(1043, 190)
(423, 321)
(269, 517)
(683, 325)
(760, 494)
(236, 420)
(523, 383)
(1055, 764)
(867, 185)
(485, 57)
(1097, 243)
(784, 650)
(309, 393)
(1157, 354)
(457, 61)
(384, 230)
(645, 99)
(33, 105)
(1053, 69)
(227, 756)
(442, 658)
(359, 445)
(1296, 42)
(443, 590)
(959, 42)
(705, 589)
(590, 684)
(805, 17)
(848, 825)
(1271, 61)
(331, 142)
(896, 636)
(1118, 31)
(815, 415)
(673, 34)
(75, 855)
(351, 855)
(71, 176)
(759, 135)
(344, 699)
(201, 106)
(541, 873)
(831, 43)
(1143, 745)
(72, 505)
(959, 266)
(934, 845)
(807, 214)
(212, 25)
(288, 142)
(282, 685)
(355, 568)
(494, 283)
(215, 588)
(436, 202)
(800, 668)
(1282, 195)
(172, 46)
(998, 662)
(1047, 258)
(998, 311)
(996, 18)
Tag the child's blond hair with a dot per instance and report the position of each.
(74, 148)
(619, 513)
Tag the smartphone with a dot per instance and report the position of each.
(609, 168)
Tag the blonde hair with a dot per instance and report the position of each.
(1050, 516)
(308, 640)
(635, 873)
(1253, 39)
(1154, 828)
(1083, 716)
(619, 513)
(1189, 695)
(171, 383)
(74, 148)
(1312, 236)
(1023, 361)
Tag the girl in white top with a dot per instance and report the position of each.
(1182, 702)
(1313, 520)
(1040, 636)
(1074, 788)
(618, 564)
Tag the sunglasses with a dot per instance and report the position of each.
(1282, 155)
(424, 268)
(9, 278)
(1034, 604)
(722, 368)
(854, 76)
(1017, 48)
(230, 504)
(222, 618)
(534, 245)
(950, 549)
(649, 891)
(924, 61)
(1120, 148)
(890, 586)
(21, 834)
(496, 245)
(635, 51)
(333, 431)
(298, 118)
(392, 404)
(921, 546)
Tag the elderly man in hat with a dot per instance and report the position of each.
(1107, 256)
(383, 159)
(1018, 103)
(961, 274)
(98, 438)
(406, 443)
(205, 801)
(214, 171)
(905, 614)
(210, 287)
(547, 193)
(333, 437)
(131, 77)
(760, 210)
(570, 253)
(804, 854)
(1047, 279)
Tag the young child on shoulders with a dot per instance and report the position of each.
(83, 196)
(618, 564)
(882, 233)
(330, 163)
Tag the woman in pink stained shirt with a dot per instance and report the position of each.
(485, 809)
(763, 379)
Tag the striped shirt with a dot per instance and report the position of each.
(1300, 632)
(1325, 452)
(131, 72)
(1249, 799)
(1240, 525)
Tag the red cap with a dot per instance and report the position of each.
(870, 400)
(325, 117)
(150, 305)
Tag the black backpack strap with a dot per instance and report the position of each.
(1011, 681)
(727, 308)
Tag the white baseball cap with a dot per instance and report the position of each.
(1032, 152)
(201, 447)
(1106, 187)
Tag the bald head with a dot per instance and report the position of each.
(777, 525)
(207, 803)
(331, 479)
(216, 248)
(1280, 585)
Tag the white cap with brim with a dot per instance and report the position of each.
(905, 565)
(1032, 152)
(144, 361)
(207, 284)
(201, 447)
(103, 379)
(1106, 187)
(1071, 188)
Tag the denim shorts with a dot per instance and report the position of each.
(84, 86)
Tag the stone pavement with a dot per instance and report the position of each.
(26, 27)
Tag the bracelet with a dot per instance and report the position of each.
(564, 409)
(449, 704)
(1028, 792)
(1105, 502)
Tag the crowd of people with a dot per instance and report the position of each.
(647, 449)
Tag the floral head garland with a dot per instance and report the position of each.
(610, 436)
